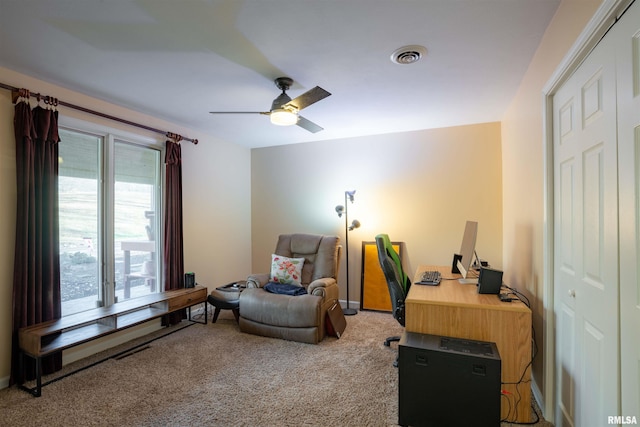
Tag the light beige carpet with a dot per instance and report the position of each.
(214, 375)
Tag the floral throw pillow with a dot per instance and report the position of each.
(286, 270)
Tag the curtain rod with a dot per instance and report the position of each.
(171, 135)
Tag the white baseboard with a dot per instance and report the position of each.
(80, 352)
(537, 395)
(352, 304)
(85, 350)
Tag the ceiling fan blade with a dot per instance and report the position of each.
(308, 125)
(309, 97)
(240, 112)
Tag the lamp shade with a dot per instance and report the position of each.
(282, 117)
(350, 195)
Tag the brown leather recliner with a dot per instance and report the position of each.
(296, 318)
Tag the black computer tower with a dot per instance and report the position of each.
(448, 382)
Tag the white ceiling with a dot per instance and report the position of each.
(178, 60)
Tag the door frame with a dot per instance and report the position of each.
(605, 17)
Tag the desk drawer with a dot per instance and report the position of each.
(183, 301)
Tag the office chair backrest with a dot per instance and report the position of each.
(405, 281)
(393, 278)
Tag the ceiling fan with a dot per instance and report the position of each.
(284, 110)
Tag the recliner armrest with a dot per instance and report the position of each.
(326, 286)
(257, 280)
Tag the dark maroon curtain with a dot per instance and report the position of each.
(173, 251)
(36, 277)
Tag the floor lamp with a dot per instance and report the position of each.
(342, 209)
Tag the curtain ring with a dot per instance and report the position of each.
(174, 137)
(20, 95)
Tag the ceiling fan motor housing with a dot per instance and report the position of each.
(282, 83)
(282, 99)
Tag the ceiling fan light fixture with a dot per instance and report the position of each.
(283, 117)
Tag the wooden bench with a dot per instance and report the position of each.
(48, 337)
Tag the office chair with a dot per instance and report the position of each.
(397, 281)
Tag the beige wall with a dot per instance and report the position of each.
(216, 201)
(216, 185)
(523, 168)
(418, 187)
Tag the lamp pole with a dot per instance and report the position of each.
(355, 224)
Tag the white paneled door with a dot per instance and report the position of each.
(628, 83)
(586, 291)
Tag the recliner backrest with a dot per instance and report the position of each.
(321, 254)
(393, 278)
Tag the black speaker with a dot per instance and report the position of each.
(189, 280)
(489, 281)
(448, 382)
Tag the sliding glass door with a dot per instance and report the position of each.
(110, 205)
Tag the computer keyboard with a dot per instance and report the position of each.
(430, 278)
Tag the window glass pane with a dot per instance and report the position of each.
(109, 205)
(78, 187)
(136, 201)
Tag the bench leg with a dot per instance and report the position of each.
(37, 390)
(215, 315)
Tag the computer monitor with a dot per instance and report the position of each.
(467, 250)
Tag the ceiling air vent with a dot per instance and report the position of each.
(408, 54)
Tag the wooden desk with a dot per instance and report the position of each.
(456, 310)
